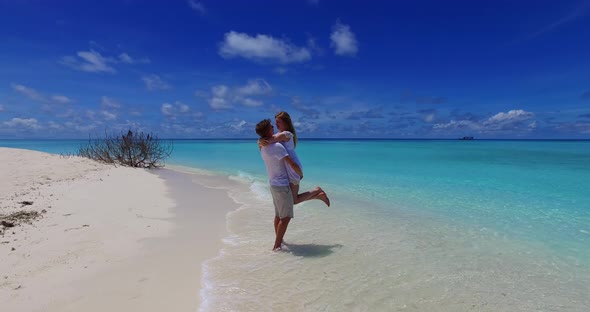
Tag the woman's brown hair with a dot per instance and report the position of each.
(284, 116)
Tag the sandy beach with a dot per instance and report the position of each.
(78, 235)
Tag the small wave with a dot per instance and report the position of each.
(258, 186)
(196, 170)
(231, 240)
(206, 288)
(243, 176)
(261, 190)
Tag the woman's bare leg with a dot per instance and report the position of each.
(316, 193)
(295, 192)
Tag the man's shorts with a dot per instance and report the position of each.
(282, 199)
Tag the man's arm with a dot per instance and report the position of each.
(294, 166)
(277, 137)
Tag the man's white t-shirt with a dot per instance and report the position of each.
(273, 155)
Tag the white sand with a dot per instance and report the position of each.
(110, 239)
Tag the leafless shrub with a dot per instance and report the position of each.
(133, 149)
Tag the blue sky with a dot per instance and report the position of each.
(371, 69)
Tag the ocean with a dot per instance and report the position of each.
(414, 225)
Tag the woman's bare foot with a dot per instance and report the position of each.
(324, 197)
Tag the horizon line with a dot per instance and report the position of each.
(327, 139)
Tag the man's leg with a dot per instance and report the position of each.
(276, 224)
(281, 229)
(283, 202)
(277, 220)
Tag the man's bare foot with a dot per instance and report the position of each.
(324, 197)
(277, 249)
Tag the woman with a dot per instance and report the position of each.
(288, 138)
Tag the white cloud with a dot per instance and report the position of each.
(94, 62)
(209, 129)
(238, 126)
(35, 95)
(183, 108)
(54, 125)
(223, 97)
(343, 40)
(219, 103)
(62, 99)
(305, 127)
(167, 109)
(220, 91)
(219, 98)
(255, 87)
(512, 120)
(125, 58)
(261, 48)
(89, 61)
(461, 124)
(180, 119)
(251, 102)
(30, 123)
(83, 127)
(28, 92)
(108, 115)
(509, 117)
(107, 102)
(174, 110)
(197, 6)
(533, 125)
(154, 82)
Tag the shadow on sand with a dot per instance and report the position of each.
(311, 250)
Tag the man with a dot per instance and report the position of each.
(275, 158)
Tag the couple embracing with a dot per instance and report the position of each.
(284, 171)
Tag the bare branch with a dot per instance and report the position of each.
(132, 149)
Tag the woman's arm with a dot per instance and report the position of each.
(277, 137)
(282, 136)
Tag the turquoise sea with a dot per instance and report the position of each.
(415, 225)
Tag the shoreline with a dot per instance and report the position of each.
(110, 237)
